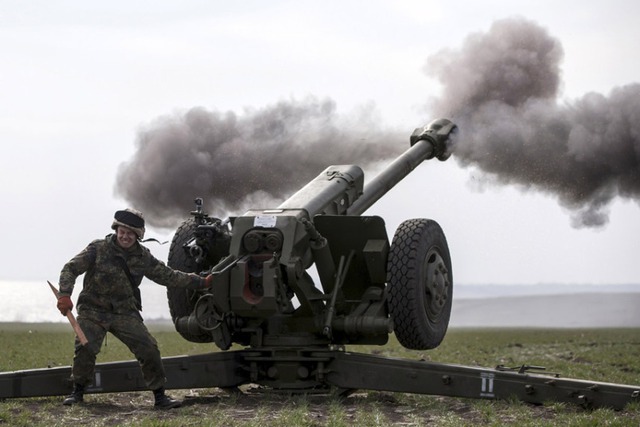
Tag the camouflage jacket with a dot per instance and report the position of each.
(106, 286)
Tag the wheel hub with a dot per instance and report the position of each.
(437, 284)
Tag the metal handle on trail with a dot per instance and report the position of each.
(72, 319)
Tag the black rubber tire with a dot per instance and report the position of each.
(182, 301)
(420, 284)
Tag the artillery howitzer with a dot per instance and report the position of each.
(293, 332)
(262, 266)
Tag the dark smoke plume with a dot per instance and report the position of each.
(502, 87)
(254, 160)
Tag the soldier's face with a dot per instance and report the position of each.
(126, 237)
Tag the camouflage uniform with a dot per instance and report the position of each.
(108, 303)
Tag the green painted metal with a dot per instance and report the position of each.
(294, 331)
(325, 371)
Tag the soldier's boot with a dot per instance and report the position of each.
(76, 396)
(162, 401)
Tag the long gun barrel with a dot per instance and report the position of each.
(426, 143)
(338, 190)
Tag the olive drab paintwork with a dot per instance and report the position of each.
(292, 331)
(270, 251)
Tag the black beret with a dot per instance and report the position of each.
(129, 218)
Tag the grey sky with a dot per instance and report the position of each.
(79, 79)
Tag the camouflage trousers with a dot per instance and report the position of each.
(127, 328)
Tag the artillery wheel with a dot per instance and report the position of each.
(420, 284)
(183, 301)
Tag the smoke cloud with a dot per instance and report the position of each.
(253, 160)
(501, 88)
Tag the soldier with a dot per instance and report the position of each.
(110, 302)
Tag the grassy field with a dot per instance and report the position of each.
(611, 355)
